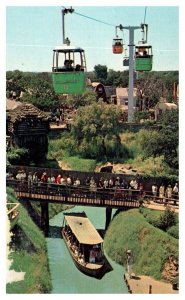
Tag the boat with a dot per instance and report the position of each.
(85, 245)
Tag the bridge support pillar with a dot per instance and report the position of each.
(45, 218)
(108, 217)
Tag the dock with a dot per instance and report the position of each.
(147, 285)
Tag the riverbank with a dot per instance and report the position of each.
(27, 262)
(152, 248)
(148, 285)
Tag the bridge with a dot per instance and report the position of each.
(72, 195)
(83, 195)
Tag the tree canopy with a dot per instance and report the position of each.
(164, 142)
(96, 130)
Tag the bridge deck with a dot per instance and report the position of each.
(82, 195)
(78, 199)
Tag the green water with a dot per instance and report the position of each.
(66, 278)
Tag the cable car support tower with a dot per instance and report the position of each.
(131, 65)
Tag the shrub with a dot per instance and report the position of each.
(18, 156)
(167, 219)
(174, 231)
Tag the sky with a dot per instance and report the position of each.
(30, 29)
(32, 32)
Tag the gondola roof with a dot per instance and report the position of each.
(83, 229)
(65, 48)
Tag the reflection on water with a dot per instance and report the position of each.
(66, 278)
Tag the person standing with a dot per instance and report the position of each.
(134, 184)
(129, 263)
(175, 191)
(154, 191)
(169, 191)
(30, 181)
(162, 192)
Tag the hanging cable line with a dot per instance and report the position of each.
(145, 15)
(92, 18)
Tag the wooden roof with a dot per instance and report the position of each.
(26, 110)
(12, 104)
(83, 229)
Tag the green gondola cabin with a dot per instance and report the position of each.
(143, 58)
(117, 46)
(68, 71)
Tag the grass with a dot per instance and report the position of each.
(29, 255)
(152, 165)
(36, 279)
(80, 164)
(151, 246)
(62, 149)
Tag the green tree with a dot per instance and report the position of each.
(169, 137)
(151, 86)
(37, 88)
(101, 73)
(164, 142)
(96, 130)
(76, 101)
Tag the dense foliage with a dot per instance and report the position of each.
(29, 252)
(19, 156)
(88, 98)
(166, 221)
(36, 88)
(95, 130)
(151, 246)
(164, 142)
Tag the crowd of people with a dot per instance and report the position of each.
(158, 192)
(163, 193)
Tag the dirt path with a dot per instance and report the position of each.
(161, 206)
(144, 284)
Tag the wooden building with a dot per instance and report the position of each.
(107, 93)
(27, 127)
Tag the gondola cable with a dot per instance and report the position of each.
(145, 15)
(93, 19)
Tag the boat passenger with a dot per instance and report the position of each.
(92, 256)
(81, 259)
(76, 252)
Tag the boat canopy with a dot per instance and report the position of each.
(83, 229)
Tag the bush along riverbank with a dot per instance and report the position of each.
(28, 253)
(155, 251)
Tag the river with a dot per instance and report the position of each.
(66, 278)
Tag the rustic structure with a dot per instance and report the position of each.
(162, 106)
(27, 126)
(107, 93)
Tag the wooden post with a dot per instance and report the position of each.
(108, 216)
(45, 217)
(150, 289)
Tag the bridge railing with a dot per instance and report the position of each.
(117, 194)
(74, 191)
